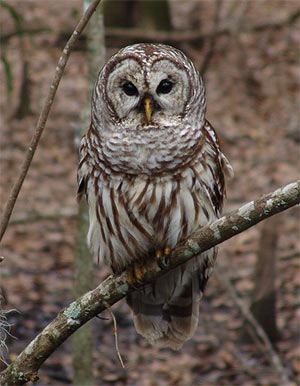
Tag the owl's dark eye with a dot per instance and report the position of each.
(129, 89)
(164, 87)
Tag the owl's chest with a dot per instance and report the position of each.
(132, 215)
(149, 151)
(165, 207)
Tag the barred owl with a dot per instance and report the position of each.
(152, 172)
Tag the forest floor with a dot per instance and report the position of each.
(253, 99)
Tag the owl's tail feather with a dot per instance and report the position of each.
(166, 312)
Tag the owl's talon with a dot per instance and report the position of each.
(159, 258)
(162, 257)
(135, 274)
(167, 253)
(159, 254)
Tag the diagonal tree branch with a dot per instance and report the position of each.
(44, 116)
(26, 366)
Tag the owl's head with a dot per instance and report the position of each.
(148, 85)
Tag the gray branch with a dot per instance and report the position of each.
(111, 290)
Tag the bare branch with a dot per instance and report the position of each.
(188, 36)
(43, 217)
(44, 116)
(116, 336)
(25, 367)
(22, 32)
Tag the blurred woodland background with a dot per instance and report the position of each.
(248, 52)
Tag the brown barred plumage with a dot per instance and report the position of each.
(153, 172)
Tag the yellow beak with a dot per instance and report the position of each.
(148, 106)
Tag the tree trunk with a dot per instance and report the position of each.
(263, 304)
(147, 14)
(82, 340)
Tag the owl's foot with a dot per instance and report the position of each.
(135, 273)
(162, 257)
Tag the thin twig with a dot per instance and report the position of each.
(115, 334)
(260, 333)
(101, 317)
(114, 288)
(44, 116)
(22, 32)
(5, 327)
(42, 217)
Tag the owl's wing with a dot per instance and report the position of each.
(225, 165)
(82, 172)
(218, 166)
